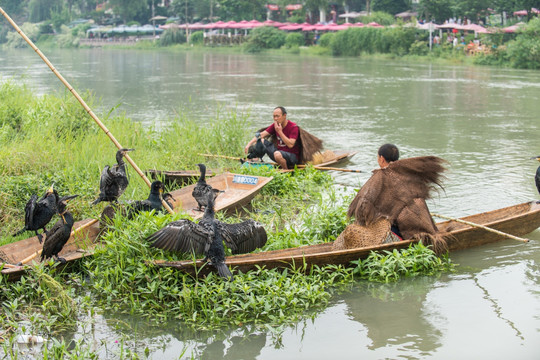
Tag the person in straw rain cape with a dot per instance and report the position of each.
(292, 145)
(392, 204)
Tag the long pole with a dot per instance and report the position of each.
(300, 166)
(482, 227)
(82, 102)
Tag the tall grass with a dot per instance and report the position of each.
(51, 139)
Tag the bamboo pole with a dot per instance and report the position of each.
(326, 168)
(482, 227)
(82, 102)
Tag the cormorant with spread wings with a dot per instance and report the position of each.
(38, 213)
(208, 235)
(114, 180)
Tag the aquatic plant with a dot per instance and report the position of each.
(389, 266)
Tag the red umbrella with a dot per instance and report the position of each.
(374, 24)
(216, 25)
(476, 28)
(513, 28)
(255, 24)
(230, 25)
(244, 24)
(291, 27)
(272, 23)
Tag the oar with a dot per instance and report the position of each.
(82, 102)
(482, 227)
(329, 168)
(222, 156)
(298, 166)
(37, 253)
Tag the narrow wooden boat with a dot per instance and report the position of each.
(238, 191)
(339, 157)
(180, 178)
(517, 220)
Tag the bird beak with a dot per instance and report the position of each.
(126, 150)
(536, 158)
(68, 198)
(51, 189)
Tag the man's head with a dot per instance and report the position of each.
(387, 153)
(280, 115)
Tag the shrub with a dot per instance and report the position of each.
(265, 37)
(294, 40)
(524, 51)
(326, 39)
(172, 36)
(379, 17)
(197, 37)
(14, 40)
(419, 48)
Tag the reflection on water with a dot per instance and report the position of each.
(484, 121)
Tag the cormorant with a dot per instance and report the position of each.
(207, 237)
(153, 202)
(258, 150)
(202, 188)
(113, 181)
(38, 213)
(537, 176)
(59, 234)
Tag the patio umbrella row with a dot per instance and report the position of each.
(244, 24)
(471, 27)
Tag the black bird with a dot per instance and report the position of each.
(207, 237)
(257, 150)
(201, 189)
(537, 176)
(59, 234)
(114, 180)
(38, 213)
(153, 202)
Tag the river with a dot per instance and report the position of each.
(484, 121)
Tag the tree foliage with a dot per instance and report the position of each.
(390, 6)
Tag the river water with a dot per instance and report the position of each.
(484, 121)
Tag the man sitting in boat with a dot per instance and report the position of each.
(392, 204)
(292, 145)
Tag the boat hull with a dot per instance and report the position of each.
(517, 220)
(237, 192)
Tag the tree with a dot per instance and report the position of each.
(13, 8)
(390, 6)
(527, 5)
(241, 9)
(437, 10)
(472, 9)
(40, 10)
(130, 9)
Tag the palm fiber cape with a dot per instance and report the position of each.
(309, 144)
(398, 193)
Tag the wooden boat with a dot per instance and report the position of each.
(181, 177)
(238, 191)
(340, 157)
(517, 220)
